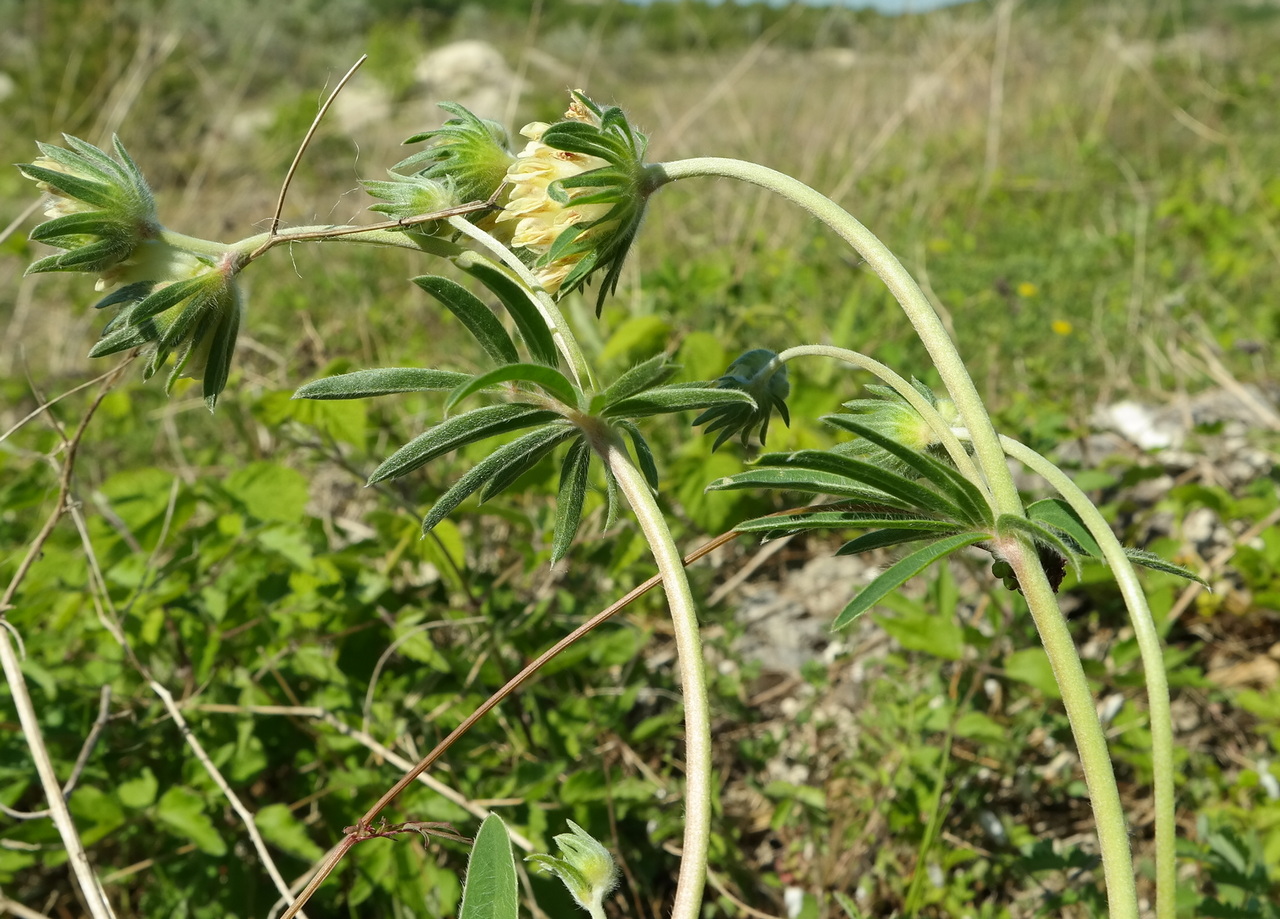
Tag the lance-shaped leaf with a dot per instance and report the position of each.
(805, 481)
(883, 539)
(473, 314)
(843, 520)
(570, 499)
(911, 493)
(518, 302)
(477, 424)
(1156, 563)
(645, 375)
(505, 477)
(381, 381)
(551, 381)
(1058, 514)
(644, 455)
(678, 398)
(902, 571)
(516, 452)
(944, 477)
(490, 891)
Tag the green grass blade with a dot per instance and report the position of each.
(381, 381)
(477, 424)
(490, 889)
(902, 571)
(472, 312)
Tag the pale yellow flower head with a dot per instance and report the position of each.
(576, 195)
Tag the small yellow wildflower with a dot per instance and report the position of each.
(1062, 327)
(1027, 289)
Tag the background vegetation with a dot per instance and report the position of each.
(1088, 190)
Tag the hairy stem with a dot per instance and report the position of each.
(1144, 629)
(693, 682)
(1104, 794)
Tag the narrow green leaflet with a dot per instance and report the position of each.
(551, 381)
(912, 493)
(883, 539)
(505, 477)
(570, 499)
(946, 478)
(1156, 563)
(1061, 516)
(840, 520)
(644, 455)
(533, 328)
(902, 571)
(477, 424)
(645, 375)
(806, 481)
(676, 398)
(381, 381)
(490, 889)
(473, 313)
(491, 466)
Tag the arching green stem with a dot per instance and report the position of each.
(955, 449)
(1144, 630)
(1105, 797)
(693, 681)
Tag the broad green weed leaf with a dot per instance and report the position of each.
(140, 792)
(473, 313)
(490, 888)
(286, 832)
(930, 633)
(182, 812)
(381, 381)
(1031, 666)
(636, 339)
(269, 491)
(901, 572)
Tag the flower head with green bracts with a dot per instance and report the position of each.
(174, 302)
(585, 866)
(469, 155)
(578, 196)
(760, 376)
(894, 417)
(100, 208)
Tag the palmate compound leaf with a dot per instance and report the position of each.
(490, 890)
(902, 571)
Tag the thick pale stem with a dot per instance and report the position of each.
(697, 713)
(1112, 834)
(1144, 629)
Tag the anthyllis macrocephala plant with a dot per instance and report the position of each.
(921, 472)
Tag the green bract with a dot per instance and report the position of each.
(101, 208)
(585, 866)
(470, 154)
(758, 375)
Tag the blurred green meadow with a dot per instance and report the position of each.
(1086, 189)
